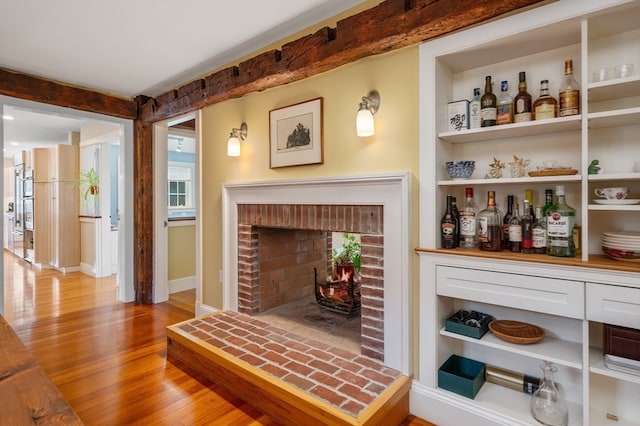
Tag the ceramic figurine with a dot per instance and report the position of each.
(496, 169)
(594, 167)
(517, 166)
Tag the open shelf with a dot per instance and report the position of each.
(529, 128)
(597, 366)
(506, 181)
(551, 349)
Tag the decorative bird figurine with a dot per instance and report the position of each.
(496, 168)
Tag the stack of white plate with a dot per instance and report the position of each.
(622, 245)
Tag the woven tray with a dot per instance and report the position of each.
(516, 331)
(553, 172)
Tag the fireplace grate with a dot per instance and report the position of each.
(341, 296)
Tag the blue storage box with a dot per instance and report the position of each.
(461, 375)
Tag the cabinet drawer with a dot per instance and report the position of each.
(546, 295)
(612, 304)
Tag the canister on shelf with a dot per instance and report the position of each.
(512, 380)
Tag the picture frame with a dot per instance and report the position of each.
(295, 134)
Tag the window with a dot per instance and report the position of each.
(179, 191)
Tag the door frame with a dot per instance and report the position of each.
(125, 279)
(160, 222)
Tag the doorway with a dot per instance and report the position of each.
(177, 241)
(13, 135)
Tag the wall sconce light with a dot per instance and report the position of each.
(233, 144)
(364, 120)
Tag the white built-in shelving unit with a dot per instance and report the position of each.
(570, 298)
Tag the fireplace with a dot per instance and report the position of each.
(381, 206)
(280, 246)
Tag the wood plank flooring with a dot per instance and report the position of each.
(108, 359)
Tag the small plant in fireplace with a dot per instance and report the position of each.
(341, 292)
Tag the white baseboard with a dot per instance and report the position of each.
(204, 309)
(85, 268)
(182, 284)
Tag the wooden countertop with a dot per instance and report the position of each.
(27, 395)
(595, 261)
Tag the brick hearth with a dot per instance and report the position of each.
(293, 378)
(254, 285)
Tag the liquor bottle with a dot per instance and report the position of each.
(526, 225)
(489, 225)
(528, 196)
(505, 223)
(539, 233)
(504, 110)
(474, 109)
(515, 231)
(448, 227)
(488, 105)
(522, 101)
(546, 106)
(456, 215)
(569, 92)
(469, 222)
(548, 202)
(560, 221)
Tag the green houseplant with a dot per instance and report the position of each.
(89, 182)
(349, 253)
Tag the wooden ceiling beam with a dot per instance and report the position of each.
(36, 89)
(393, 24)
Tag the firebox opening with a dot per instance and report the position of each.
(293, 265)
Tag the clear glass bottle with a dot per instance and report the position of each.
(546, 106)
(515, 230)
(490, 225)
(560, 222)
(569, 92)
(505, 223)
(474, 110)
(539, 233)
(526, 224)
(488, 105)
(448, 227)
(522, 101)
(547, 406)
(504, 109)
(469, 222)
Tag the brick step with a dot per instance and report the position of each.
(292, 378)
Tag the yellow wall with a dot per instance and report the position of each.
(394, 148)
(182, 251)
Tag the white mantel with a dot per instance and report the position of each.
(392, 191)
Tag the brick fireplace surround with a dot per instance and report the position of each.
(376, 206)
(283, 271)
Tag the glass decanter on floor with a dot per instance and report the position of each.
(547, 406)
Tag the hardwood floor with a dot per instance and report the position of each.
(108, 359)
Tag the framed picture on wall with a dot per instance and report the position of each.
(295, 134)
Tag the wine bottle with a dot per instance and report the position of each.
(448, 226)
(548, 202)
(522, 101)
(505, 223)
(569, 92)
(546, 106)
(456, 216)
(528, 197)
(504, 110)
(526, 224)
(474, 110)
(560, 221)
(489, 225)
(469, 222)
(515, 231)
(488, 105)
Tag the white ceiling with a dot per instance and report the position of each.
(128, 48)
